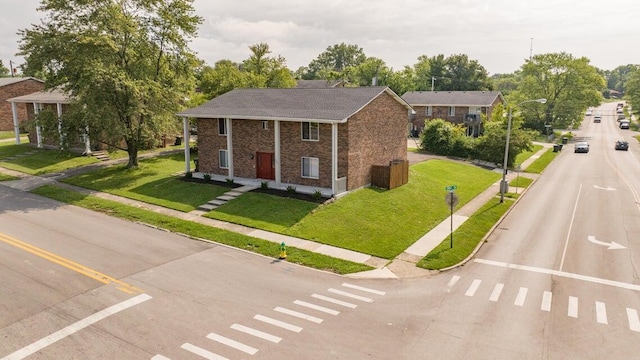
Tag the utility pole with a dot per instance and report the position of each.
(531, 50)
(11, 67)
(433, 79)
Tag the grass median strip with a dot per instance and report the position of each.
(542, 162)
(200, 231)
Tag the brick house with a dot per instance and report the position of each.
(323, 139)
(458, 107)
(12, 87)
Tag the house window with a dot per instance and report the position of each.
(452, 111)
(222, 127)
(310, 131)
(475, 110)
(224, 159)
(310, 167)
(265, 125)
(428, 111)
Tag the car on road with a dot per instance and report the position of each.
(619, 111)
(589, 112)
(622, 145)
(624, 124)
(597, 119)
(581, 147)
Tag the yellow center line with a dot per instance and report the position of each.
(71, 265)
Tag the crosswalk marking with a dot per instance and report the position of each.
(601, 313)
(160, 357)
(256, 333)
(522, 295)
(334, 301)
(546, 301)
(298, 315)
(316, 307)
(377, 292)
(573, 307)
(474, 286)
(634, 322)
(202, 352)
(497, 290)
(278, 323)
(350, 295)
(232, 343)
(452, 282)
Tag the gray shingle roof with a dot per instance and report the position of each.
(12, 80)
(451, 98)
(318, 83)
(53, 96)
(293, 104)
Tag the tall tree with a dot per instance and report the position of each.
(633, 89)
(465, 74)
(569, 84)
(332, 63)
(125, 64)
(223, 77)
(265, 71)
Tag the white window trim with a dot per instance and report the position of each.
(452, 111)
(312, 161)
(223, 154)
(310, 136)
(265, 124)
(428, 111)
(224, 127)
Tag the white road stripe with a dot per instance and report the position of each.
(377, 292)
(202, 352)
(232, 343)
(522, 295)
(298, 315)
(452, 282)
(573, 307)
(601, 313)
(497, 290)
(561, 273)
(278, 323)
(546, 301)
(634, 323)
(256, 333)
(75, 327)
(474, 286)
(160, 357)
(334, 301)
(350, 295)
(316, 307)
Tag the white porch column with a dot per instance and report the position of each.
(334, 157)
(87, 142)
(36, 111)
(60, 134)
(229, 146)
(187, 152)
(16, 125)
(276, 140)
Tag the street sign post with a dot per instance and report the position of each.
(452, 200)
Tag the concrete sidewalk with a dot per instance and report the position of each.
(401, 267)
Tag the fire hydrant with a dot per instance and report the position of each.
(283, 251)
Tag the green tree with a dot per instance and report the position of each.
(125, 64)
(442, 137)
(332, 63)
(453, 73)
(223, 77)
(264, 71)
(633, 89)
(4, 72)
(569, 84)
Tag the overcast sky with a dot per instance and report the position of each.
(499, 34)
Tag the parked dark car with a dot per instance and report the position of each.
(581, 147)
(622, 145)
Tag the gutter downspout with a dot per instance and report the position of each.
(16, 126)
(187, 148)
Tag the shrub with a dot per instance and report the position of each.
(264, 185)
(207, 177)
(291, 189)
(188, 175)
(316, 195)
(229, 182)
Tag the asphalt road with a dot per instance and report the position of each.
(80, 285)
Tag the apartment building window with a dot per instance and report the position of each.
(428, 111)
(224, 159)
(310, 131)
(310, 167)
(452, 111)
(222, 127)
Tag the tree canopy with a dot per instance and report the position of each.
(3, 70)
(125, 65)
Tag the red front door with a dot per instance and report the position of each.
(265, 168)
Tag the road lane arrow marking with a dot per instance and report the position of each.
(608, 188)
(611, 246)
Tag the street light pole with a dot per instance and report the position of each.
(504, 185)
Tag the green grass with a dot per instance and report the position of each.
(542, 162)
(11, 135)
(466, 237)
(153, 182)
(200, 231)
(523, 156)
(36, 161)
(4, 177)
(264, 211)
(521, 182)
(385, 222)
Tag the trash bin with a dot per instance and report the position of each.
(557, 147)
(178, 140)
(564, 140)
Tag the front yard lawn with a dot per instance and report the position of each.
(31, 160)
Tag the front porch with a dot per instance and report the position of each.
(257, 183)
